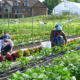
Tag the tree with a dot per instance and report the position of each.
(52, 3)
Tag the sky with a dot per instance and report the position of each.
(41, 0)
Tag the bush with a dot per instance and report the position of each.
(26, 53)
(19, 53)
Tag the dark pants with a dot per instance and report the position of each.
(5, 50)
(59, 41)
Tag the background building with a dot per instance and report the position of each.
(22, 8)
(67, 7)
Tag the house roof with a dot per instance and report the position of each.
(37, 2)
(31, 2)
(10, 2)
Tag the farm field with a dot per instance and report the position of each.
(62, 64)
(30, 31)
(56, 63)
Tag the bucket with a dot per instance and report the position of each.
(46, 44)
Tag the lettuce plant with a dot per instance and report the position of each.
(9, 57)
(19, 53)
(4, 65)
(26, 53)
(46, 51)
(14, 55)
(23, 61)
(56, 49)
(1, 59)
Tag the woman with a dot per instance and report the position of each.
(6, 45)
(58, 37)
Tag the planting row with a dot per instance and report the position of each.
(23, 61)
(64, 68)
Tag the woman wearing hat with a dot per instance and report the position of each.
(58, 37)
(6, 45)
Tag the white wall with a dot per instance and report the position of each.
(71, 7)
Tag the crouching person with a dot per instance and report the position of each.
(57, 36)
(6, 45)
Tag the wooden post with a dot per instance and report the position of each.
(32, 23)
(8, 19)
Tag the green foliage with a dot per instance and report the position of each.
(23, 61)
(51, 4)
(46, 51)
(39, 48)
(65, 13)
(65, 48)
(36, 50)
(19, 53)
(56, 49)
(4, 65)
(31, 51)
(26, 53)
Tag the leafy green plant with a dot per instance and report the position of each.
(23, 61)
(65, 48)
(26, 53)
(35, 57)
(39, 48)
(5, 65)
(56, 49)
(31, 51)
(46, 51)
(36, 50)
(19, 53)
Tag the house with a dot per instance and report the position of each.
(21, 8)
(68, 7)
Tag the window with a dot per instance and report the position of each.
(0, 4)
(29, 9)
(0, 10)
(23, 9)
(25, 4)
(6, 8)
(10, 9)
(15, 10)
(16, 4)
(16, 16)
